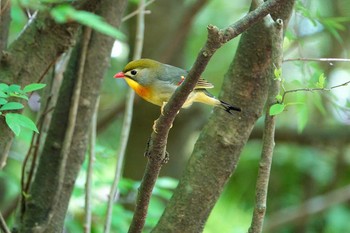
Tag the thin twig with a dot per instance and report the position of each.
(89, 172)
(3, 225)
(127, 117)
(268, 136)
(313, 89)
(156, 150)
(132, 14)
(317, 59)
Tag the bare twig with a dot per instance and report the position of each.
(89, 172)
(330, 60)
(132, 14)
(268, 137)
(127, 117)
(309, 207)
(3, 225)
(157, 144)
(313, 89)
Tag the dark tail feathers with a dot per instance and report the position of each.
(228, 107)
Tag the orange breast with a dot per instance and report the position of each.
(142, 91)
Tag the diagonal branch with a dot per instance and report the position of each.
(156, 150)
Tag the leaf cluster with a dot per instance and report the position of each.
(10, 101)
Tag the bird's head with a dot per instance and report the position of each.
(141, 71)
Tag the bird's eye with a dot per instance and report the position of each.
(133, 72)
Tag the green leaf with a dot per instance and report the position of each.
(278, 73)
(33, 87)
(276, 109)
(3, 101)
(12, 106)
(65, 13)
(12, 124)
(23, 121)
(321, 81)
(15, 88)
(3, 94)
(18, 95)
(4, 87)
(279, 97)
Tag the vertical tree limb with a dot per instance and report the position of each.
(269, 131)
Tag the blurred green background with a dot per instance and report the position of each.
(312, 154)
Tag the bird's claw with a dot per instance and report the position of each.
(166, 158)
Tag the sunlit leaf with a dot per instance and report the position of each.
(279, 97)
(33, 87)
(3, 101)
(4, 87)
(3, 94)
(276, 109)
(14, 88)
(321, 81)
(12, 106)
(23, 121)
(278, 73)
(12, 124)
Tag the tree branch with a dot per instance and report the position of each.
(313, 89)
(268, 134)
(156, 150)
(330, 60)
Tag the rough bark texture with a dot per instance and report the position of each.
(246, 83)
(44, 188)
(30, 56)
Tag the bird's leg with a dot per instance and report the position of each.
(154, 126)
(166, 158)
(162, 108)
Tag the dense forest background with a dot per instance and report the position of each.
(52, 43)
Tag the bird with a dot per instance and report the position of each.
(156, 82)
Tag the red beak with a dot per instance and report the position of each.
(119, 75)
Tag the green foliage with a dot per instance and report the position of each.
(66, 13)
(8, 95)
(278, 74)
(331, 24)
(276, 109)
